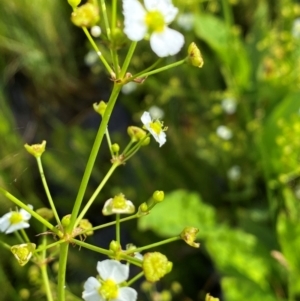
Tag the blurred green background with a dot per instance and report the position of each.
(230, 166)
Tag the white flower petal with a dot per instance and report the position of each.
(16, 227)
(26, 216)
(90, 292)
(165, 7)
(167, 42)
(146, 119)
(113, 269)
(4, 221)
(134, 23)
(126, 294)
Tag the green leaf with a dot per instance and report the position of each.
(179, 209)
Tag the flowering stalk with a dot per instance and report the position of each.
(128, 59)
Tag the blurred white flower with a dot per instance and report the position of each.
(156, 112)
(224, 132)
(91, 58)
(234, 173)
(118, 205)
(155, 127)
(129, 88)
(186, 21)
(112, 273)
(153, 19)
(96, 31)
(229, 105)
(15, 220)
(296, 28)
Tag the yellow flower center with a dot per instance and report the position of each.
(15, 218)
(109, 290)
(155, 21)
(156, 126)
(119, 202)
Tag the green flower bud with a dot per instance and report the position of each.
(158, 196)
(85, 224)
(24, 293)
(146, 141)
(36, 149)
(115, 148)
(100, 108)
(46, 213)
(208, 297)
(23, 252)
(66, 220)
(74, 3)
(194, 56)
(136, 133)
(86, 15)
(189, 236)
(115, 246)
(155, 266)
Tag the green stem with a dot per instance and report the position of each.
(91, 247)
(135, 278)
(42, 248)
(42, 174)
(44, 271)
(63, 257)
(93, 155)
(166, 241)
(95, 194)
(105, 18)
(159, 69)
(118, 228)
(128, 59)
(29, 210)
(110, 71)
(108, 142)
(146, 70)
(26, 239)
(114, 14)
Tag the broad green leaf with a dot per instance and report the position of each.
(179, 209)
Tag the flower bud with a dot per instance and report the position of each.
(146, 141)
(23, 252)
(65, 221)
(74, 3)
(46, 213)
(194, 56)
(158, 196)
(208, 297)
(136, 133)
(115, 246)
(189, 236)
(155, 266)
(96, 31)
(100, 108)
(85, 224)
(86, 15)
(115, 148)
(36, 149)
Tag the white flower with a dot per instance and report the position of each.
(15, 220)
(229, 105)
(186, 21)
(234, 173)
(153, 20)
(155, 128)
(129, 88)
(112, 273)
(224, 132)
(156, 112)
(118, 205)
(296, 28)
(96, 31)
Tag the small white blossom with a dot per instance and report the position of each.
(156, 112)
(15, 220)
(112, 273)
(229, 105)
(224, 132)
(296, 28)
(186, 21)
(234, 173)
(96, 31)
(118, 205)
(155, 127)
(129, 88)
(153, 19)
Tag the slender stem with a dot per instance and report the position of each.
(44, 271)
(24, 235)
(29, 210)
(114, 14)
(42, 248)
(166, 241)
(19, 237)
(105, 18)
(128, 58)
(87, 33)
(147, 69)
(63, 257)
(178, 63)
(95, 194)
(42, 174)
(109, 142)
(118, 228)
(91, 247)
(93, 155)
(135, 278)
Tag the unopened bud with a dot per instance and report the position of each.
(136, 133)
(100, 108)
(189, 236)
(46, 213)
(115, 148)
(74, 3)
(194, 56)
(208, 297)
(85, 224)
(65, 221)
(36, 149)
(86, 15)
(158, 196)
